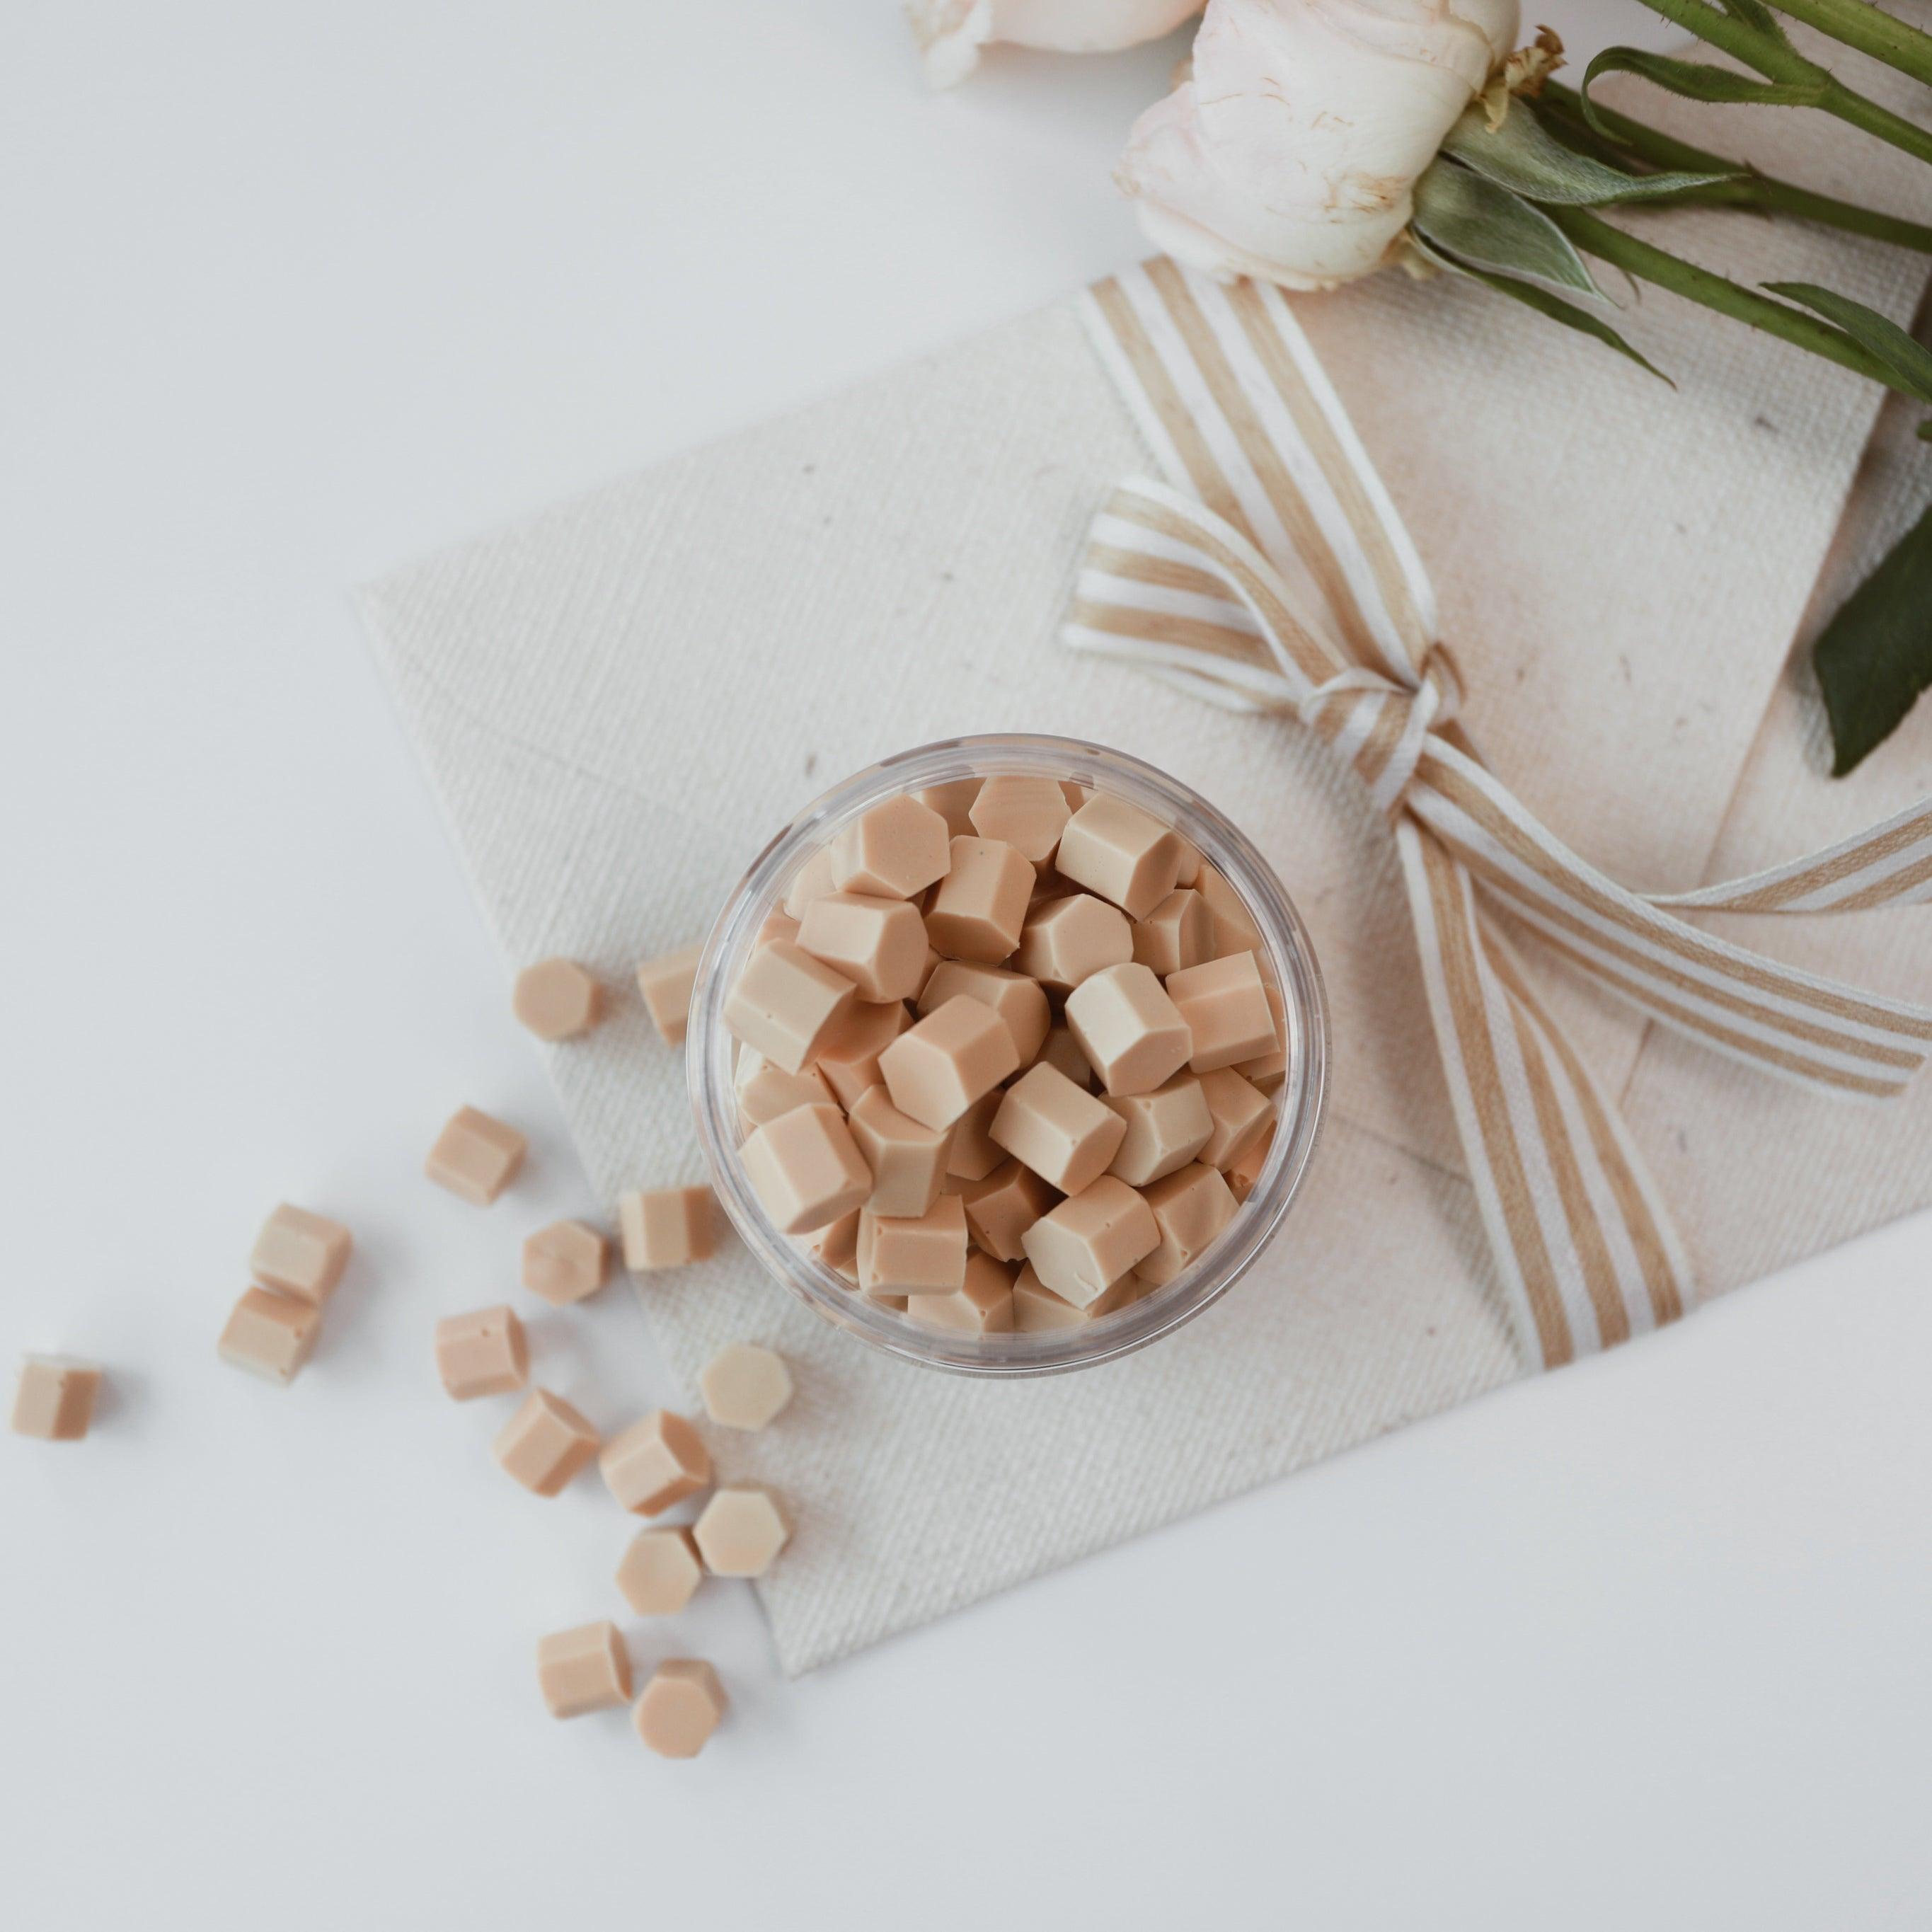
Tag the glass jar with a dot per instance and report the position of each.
(710, 1051)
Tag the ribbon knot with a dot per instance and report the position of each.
(1271, 573)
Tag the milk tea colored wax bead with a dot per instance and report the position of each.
(907, 1159)
(1244, 1171)
(836, 1244)
(814, 879)
(666, 1227)
(740, 1530)
(1190, 1209)
(565, 1262)
(1132, 1034)
(557, 999)
(300, 1253)
(806, 1169)
(1084, 1246)
(1241, 1113)
(979, 907)
(1268, 1070)
(545, 1444)
(660, 1571)
(1069, 939)
(666, 985)
(1037, 1310)
(1122, 852)
(848, 1060)
(893, 850)
(1063, 1051)
(1001, 1208)
(270, 1335)
(587, 1669)
(983, 1305)
(475, 1156)
(680, 1708)
(923, 1254)
(959, 1051)
(765, 1091)
(879, 944)
(1234, 928)
(481, 1353)
(54, 1400)
(745, 1386)
(1061, 1131)
(1027, 814)
(1225, 1005)
(1016, 997)
(1165, 1129)
(953, 802)
(785, 1002)
(973, 1152)
(1180, 931)
(656, 1461)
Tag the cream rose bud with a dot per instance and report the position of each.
(951, 32)
(1291, 153)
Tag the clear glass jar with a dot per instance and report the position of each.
(710, 1050)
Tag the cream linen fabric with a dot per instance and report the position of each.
(619, 701)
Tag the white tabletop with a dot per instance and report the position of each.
(292, 292)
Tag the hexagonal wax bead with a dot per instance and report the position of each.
(1061, 1131)
(1268, 1070)
(745, 1386)
(1244, 1171)
(1017, 998)
(545, 1444)
(666, 1227)
(1122, 852)
(557, 999)
(1080, 1248)
(658, 1461)
(1069, 939)
(475, 1156)
(1189, 1209)
(848, 1060)
(1241, 1112)
(681, 1706)
(765, 1091)
(836, 1244)
(739, 1531)
(811, 880)
(879, 944)
(806, 1169)
(923, 1254)
(894, 849)
(1001, 1208)
(983, 1306)
(937, 1068)
(1225, 1005)
(1132, 1034)
(785, 1002)
(54, 1401)
(1037, 1310)
(659, 1571)
(973, 1152)
(564, 1262)
(1180, 931)
(270, 1335)
(1027, 814)
(482, 1353)
(587, 1669)
(302, 1254)
(1234, 928)
(981, 904)
(1063, 1051)
(953, 802)
(665, 985)
(1165, 1129)
(907, 1158)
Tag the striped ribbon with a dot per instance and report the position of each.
(1271, 573)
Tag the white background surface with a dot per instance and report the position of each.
(292, 292)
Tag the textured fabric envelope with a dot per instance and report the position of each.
(621, 700)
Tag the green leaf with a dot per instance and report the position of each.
(1694, 81)
(1875, 656)
(1544, 303)
(1476, 220)
(1878, 335)
(1759, 18)
(1523, 155)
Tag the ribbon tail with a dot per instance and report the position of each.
(1889, 864)
(1586, 1250)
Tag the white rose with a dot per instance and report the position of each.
(1291, 153)
(952, 32)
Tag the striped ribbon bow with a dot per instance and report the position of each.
(1271, 573)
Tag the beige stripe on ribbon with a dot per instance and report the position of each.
(1200, 581)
